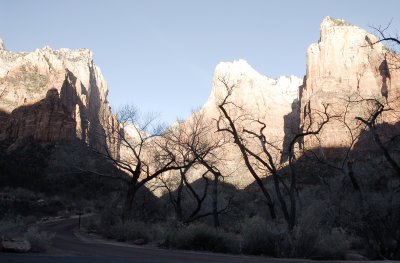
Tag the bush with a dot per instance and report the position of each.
(300, 243)
(108, 218)
(12, 227)
(259, 237)
(91, 225)
(204, 238)
(129, 231)
(307, 240)
(332, 244)
(40, 241)
(274, 239)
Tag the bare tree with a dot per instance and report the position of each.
(180, 138)
(384, 36)
(176, 195)
(392, 58)
(195, 138)
(231, 125)
(206, 147)
(378, 108)
(145, 153)
(260, 156)
(345, 164)
(317, 119)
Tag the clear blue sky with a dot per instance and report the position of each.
(160, 55)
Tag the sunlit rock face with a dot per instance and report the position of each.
(346, 66)
(254, 97)
(52, 95)
(273, 101)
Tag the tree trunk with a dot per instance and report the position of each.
(270, 203)
(178, 209)
(130, 196)
(292, 215)
(242, 149)
(386, 153)
(353, 180)
(280, 197)
(215, 200)
(133, 186)
(199, 200)
(271, 208)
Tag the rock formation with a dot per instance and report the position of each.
(273, 101)
(346, 66)
(265, 98)
(345, 69)
(52, 95)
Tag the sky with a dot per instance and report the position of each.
(160, 55)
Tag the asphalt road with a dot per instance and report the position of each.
(67, 247)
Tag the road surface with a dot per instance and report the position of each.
(67, 247)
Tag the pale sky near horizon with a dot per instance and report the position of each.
(160, 55)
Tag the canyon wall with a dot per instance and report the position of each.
(348, 73)
(254, 97)
(347, 70)
(261, 97)
(52, 95)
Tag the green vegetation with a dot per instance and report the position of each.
(341, 22)
(27, 77)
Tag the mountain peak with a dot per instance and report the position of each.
(235, 68)
(329, 22)
(337, 32)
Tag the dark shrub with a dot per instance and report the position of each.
(205, 238)
(260, 238)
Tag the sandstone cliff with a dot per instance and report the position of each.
(51, 95)
(342, 68)
(345, 70)
(274, 101)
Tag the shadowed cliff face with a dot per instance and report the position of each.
(55, 95)
(47, 120)
(291, 128)
(385, 73)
